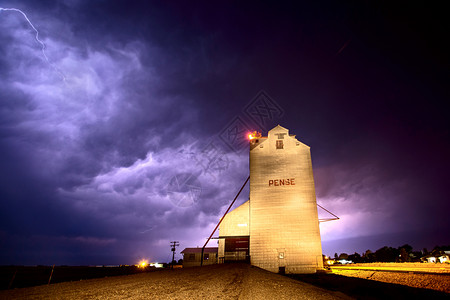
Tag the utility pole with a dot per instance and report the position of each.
(173, 246)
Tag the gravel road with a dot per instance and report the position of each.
(231, 281)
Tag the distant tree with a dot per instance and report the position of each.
(442, 248)
(356, 258)
(404, 255)
(386, 254)
(415, 256)
(180, 261)
(368, 256)
(343, 256)
(371, 257)
(439, 250)
(408, 248)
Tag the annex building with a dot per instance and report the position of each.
(192, 256)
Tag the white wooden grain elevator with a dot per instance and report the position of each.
(277, 229)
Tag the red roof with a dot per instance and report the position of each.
(199, 250)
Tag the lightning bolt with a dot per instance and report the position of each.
(37, 39)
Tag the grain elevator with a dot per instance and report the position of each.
(277, 229)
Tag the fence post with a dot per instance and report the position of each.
(51, 275)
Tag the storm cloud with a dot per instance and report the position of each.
(106, 133)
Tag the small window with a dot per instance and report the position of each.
(279, 144)
(206, 256)
(191, 257)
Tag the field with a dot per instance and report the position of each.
(418, 275)
(402, 267)
(231, 281)
(24, 276)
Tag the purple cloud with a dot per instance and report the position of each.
(94, 140)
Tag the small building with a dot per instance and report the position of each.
(192, 256)
(439, 257)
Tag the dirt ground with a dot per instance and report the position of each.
(232, 281)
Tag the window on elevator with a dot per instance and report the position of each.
(279, 144)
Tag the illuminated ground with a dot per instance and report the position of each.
(240, 281)
(212, 282)
(407, 267)
(417, 275)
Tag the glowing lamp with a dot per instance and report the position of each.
(143, 264)
(254, 135)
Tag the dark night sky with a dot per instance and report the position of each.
(129, 96)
